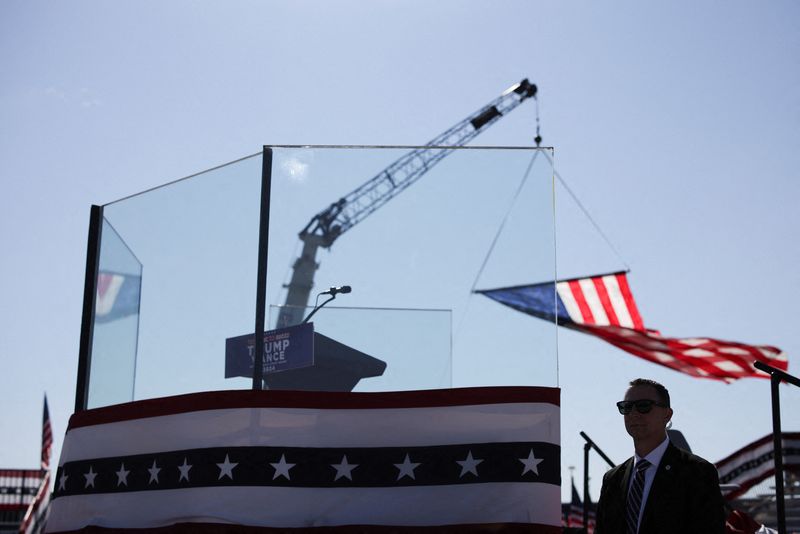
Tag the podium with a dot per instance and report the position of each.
(337, 367)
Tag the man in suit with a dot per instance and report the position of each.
(662, 489)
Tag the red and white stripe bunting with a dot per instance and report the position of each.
(755, 462)
(116, 469)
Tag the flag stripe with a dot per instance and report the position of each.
(617, 300)
(566, 297)
(627, 296)
(697, 357)
(593, 301)
(524, 503)
(586, 316)
(600, 286)
(214, 400)
(307, 428)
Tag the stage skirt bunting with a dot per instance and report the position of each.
(756, 461)
(485, 459)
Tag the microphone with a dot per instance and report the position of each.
(336, 290)
(332, 292)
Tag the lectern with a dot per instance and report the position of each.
(337, 367)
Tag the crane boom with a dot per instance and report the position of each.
(327, 225)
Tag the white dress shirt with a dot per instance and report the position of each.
(654, 457)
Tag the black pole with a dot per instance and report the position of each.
(87, 320)
(774, 371)
(586, 449)
(596, 448)
(776, 376)
(261, 282)
(777, 443)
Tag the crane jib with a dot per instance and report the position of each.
(326, 226)
(481, 120)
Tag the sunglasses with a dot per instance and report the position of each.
(642, 406)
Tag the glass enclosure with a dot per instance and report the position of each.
(414, 232)
(197, 241)
(116, 328)
(414, 347)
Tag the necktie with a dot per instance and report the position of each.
(635, 497)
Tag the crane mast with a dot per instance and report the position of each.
(327, 225)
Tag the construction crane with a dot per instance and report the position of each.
(327, 225)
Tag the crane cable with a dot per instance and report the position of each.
(538, 141)
(588, 215)
(505, 219)
(572, 194)
(497, 236)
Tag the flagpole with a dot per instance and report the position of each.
(776, 377)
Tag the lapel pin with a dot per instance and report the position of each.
(668, 467)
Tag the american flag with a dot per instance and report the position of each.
(117, 296)
(47, 437)
(574, 516)
(604, 306)
(458, 460)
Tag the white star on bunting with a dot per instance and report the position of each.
(122, 475)
(62, 482)
(90, 477)
(184, 469)
(470, 465)
(226, 468)
(344, 469)
(282, 468)
(531, 464)
(406, 468)
(153, 473)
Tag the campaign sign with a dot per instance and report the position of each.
(284, 349)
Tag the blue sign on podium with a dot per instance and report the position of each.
(284, 349)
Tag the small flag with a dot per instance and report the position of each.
(117, 296)
(47, 436)
(603, 306)
(575, 514)
(457, 460)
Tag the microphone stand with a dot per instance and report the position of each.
(332, 292)
(776, 376)
(317, 308)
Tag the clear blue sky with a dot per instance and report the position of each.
(677, 124)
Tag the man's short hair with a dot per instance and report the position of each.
(661, 391)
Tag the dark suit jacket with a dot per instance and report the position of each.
(684, 497)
